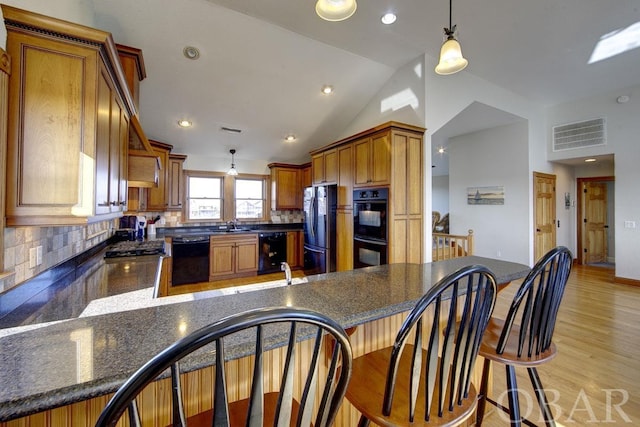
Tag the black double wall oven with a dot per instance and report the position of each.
(370, 227)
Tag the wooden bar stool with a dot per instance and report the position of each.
(527, 344)
(319, 401)
(428, 383)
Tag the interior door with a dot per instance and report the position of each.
(595, 222)
(544, 193)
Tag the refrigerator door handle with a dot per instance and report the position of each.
(312, 218)
(318, 251)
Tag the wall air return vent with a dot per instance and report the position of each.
(579, 135)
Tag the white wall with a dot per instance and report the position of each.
(623, 140)
(492, 157)
(447, 96)
(440, 193)
(566, 183)
(401, 99)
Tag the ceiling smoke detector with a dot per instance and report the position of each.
(191, 52)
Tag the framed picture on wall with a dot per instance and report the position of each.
(485, 195)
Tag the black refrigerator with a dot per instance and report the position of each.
(319, 206)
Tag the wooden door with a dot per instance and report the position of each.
(157, 197)
(317, 168)
(287, 188)
(544, 212)
(380, 159)
(595, 222)
(362, 158)
(175, 181)
(221, 260)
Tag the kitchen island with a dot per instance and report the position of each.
(60, 367)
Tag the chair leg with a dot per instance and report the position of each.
(482, 394)
(512, 394)
(364, 421)
(542, 398)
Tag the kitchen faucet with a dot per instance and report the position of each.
(287, 272)
(233, 223)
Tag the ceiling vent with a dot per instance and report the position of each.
(579, 135)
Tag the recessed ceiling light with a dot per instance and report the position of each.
(589, 160)
(184, 123)
(327, 89)
(191, 52)
(290, 138)
(388, 18)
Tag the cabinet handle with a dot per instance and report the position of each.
(114, 203)
(103, 204)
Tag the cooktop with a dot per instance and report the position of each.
(129, 248)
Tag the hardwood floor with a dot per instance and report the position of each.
(595, 377)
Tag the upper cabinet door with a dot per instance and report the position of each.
(60, 121)
(372, 160)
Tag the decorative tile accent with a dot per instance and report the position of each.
(58, 245)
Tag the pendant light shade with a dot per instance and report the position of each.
(451, 59)
(336, 10)
(232, 170)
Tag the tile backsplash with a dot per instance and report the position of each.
(62, 243)
(174, 219)
(58, 244)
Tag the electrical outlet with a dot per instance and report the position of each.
(39, 255)
(629, 224)
(32, 257)
(499, 254)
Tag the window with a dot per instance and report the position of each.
(214, 196)
(249, 196)
(204, 198)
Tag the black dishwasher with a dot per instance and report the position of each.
(190, 259)
(272, 251)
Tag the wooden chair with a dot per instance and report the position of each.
(274, 408)
(435, 217)
(415, 384)
(527, 344)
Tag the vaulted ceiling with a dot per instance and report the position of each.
(262, 63)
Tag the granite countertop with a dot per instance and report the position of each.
(77, 359)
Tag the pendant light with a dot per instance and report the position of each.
(451, 59)
(232, 170)
(336, 10)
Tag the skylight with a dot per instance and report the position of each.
(616, 42)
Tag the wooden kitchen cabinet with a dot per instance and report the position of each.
(305, 176)
(175, 182)
(344, 240)
(67, 102)
(372, 160)
(286, 190)
(168, 195)
(389, 155)
(112, 138)
(345, 176)
(324, 167)
(233, 255)
(158, 197)
(294, 249)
